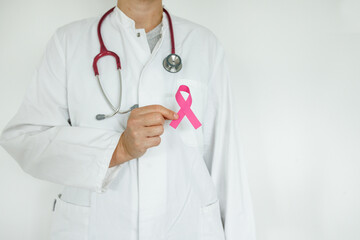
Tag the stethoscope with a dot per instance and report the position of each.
(172, 63)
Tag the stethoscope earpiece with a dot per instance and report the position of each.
(172, 63)
(100, 117)
(103, 116)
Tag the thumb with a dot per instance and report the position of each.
(172, 115)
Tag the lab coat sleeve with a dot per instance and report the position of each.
(223, 154)
(43, 142)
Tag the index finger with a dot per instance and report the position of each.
(167, 113)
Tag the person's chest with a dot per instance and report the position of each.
(144, 80)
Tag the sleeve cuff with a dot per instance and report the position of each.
(106, 174)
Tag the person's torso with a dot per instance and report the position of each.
(159, 195)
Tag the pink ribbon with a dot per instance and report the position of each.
(185, 108)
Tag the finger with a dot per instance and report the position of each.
(152, 118)
(154, 131)
(167, 113)
(152, 141)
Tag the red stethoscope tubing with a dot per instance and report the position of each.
(105, 52)
(171, 31)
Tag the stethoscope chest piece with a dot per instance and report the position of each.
(172, 63)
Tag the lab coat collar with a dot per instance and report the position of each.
(122, 19)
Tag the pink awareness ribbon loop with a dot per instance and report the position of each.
(185, 108)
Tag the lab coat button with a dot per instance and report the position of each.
(138, 34)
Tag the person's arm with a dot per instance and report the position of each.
(40, 138)
(223, 154)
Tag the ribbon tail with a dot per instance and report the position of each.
(193, 119)
(175, 123)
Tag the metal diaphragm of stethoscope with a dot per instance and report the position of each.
(172, 63)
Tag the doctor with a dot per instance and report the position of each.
(170, 167)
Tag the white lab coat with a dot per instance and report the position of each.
(191, 187)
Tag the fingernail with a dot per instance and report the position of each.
(176, 115)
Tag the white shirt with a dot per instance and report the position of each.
(192, 186)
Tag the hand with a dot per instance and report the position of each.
(143, 130)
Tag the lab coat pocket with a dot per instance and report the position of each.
(69, 221)
(211, 224)
(189, 135)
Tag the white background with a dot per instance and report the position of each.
(295, 69)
